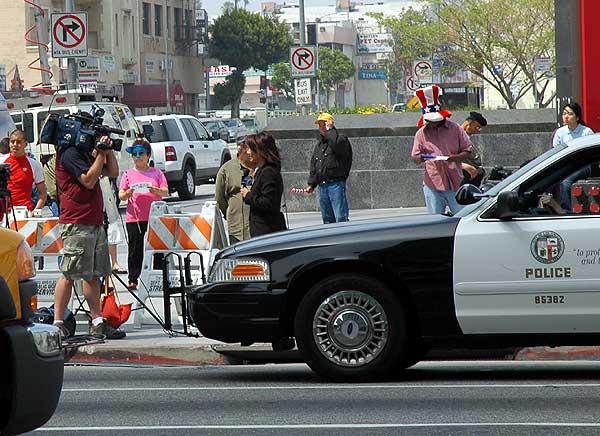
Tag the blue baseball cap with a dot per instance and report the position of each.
(137, 148)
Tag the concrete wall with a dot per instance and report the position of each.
(383, 174)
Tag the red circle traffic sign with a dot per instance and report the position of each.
(69, 29)
(411, 85)
(422, 66)
(302, 56)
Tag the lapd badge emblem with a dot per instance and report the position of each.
(547, 247)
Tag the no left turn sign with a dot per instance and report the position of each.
(303, 60)
(69, 35)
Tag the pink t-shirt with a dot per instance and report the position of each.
(445, 140)
(138, 206)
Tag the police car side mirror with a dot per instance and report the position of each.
(507, 206)
(468, 194)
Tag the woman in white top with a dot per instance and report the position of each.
(573, 125)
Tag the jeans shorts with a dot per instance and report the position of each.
(85, 252)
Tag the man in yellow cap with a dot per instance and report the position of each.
(329, 169)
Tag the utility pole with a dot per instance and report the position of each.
(71, 62)
(42, 36)
(167, 87)
(302, 43)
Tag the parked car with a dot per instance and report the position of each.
(251, 125)
(184, 150)
(364, 300)
(237, 129)
(30, 354)
(215, 125)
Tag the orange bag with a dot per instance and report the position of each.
(112, 309)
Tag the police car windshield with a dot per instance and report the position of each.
(518, 173)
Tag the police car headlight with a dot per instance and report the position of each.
(25, 264)
(240, 270)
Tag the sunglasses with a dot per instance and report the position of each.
(138, 153)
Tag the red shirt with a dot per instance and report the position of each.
(78, 204)
(445, 140)
(24, 171)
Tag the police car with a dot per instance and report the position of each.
(368, 298)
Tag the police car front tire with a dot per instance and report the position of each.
(351, 327)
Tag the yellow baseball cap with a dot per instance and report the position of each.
(324, 117)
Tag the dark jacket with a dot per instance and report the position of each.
(331, 159)
(264, 200)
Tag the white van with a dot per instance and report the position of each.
(117, 115)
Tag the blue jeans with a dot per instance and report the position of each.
(333, 202)
(436, 201)
(565, 186)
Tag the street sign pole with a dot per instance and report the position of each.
(303, 108)
(71, 62)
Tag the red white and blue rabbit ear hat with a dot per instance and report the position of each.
(431, 108)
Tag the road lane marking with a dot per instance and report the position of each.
(324, 426)
(340, 387)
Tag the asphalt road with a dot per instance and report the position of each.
(433, 398)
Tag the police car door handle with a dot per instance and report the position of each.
(205, 145)
(191, 145)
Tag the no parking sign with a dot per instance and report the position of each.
(69, 35)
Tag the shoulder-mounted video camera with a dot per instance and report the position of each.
(81, 130)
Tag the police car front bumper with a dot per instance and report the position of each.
(237, 312)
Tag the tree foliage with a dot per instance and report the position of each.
(334, 68)
(507, 33)
(495, 40)
(282, 79)
(231, 90)
(243, 40)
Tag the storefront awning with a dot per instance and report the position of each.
(152, 95)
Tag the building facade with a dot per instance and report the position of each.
(134, 47)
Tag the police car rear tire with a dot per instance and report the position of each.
(351, 327)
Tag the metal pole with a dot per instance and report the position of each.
(303, 108)
(71, 62)
(568, 53)
(42, 36)
(167, 87)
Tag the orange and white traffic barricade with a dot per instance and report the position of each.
(171, 231)
(43, 236)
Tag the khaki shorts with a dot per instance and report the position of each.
(85, 252)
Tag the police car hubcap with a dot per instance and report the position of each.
(350, 328)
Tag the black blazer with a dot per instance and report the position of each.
(264, 200)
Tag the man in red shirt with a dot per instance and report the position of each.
(25, 172)
(442, 145)
(81, 219)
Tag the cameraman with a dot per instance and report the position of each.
(81, 219)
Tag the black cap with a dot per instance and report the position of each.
(476, 116)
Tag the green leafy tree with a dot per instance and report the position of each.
(282, 79)
(495, 40)
(414, 36)
(334, 68)
(243, 40)
(498, 41)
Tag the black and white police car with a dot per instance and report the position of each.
(367, 298)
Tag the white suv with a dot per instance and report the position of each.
(184, 150)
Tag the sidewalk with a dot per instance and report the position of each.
(150, 345)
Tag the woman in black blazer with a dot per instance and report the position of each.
(264, 198)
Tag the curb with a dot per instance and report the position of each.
(144, 355)
(225, 354)
(559, 353)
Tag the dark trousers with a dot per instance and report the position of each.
(135, 247)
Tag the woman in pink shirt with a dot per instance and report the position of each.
(140, 187)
